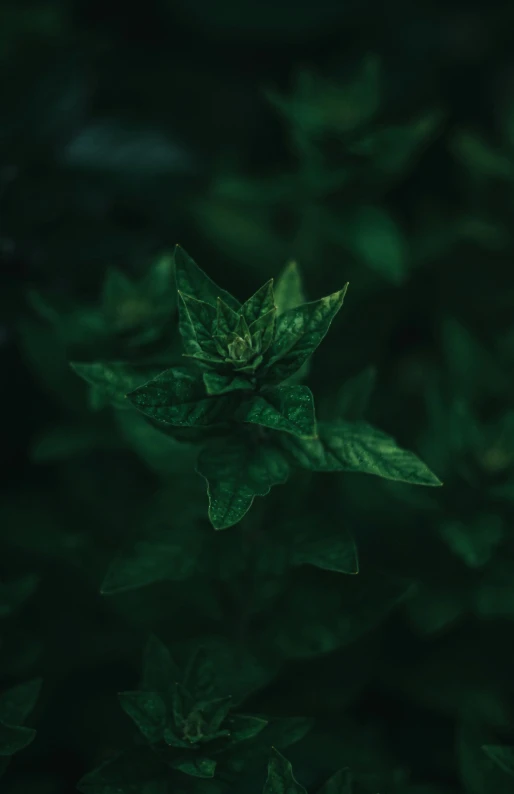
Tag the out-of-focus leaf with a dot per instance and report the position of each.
(502, 755)
(113, 381)
(289, 291)
(170, 554)
(376, 239)
(331, 551)
(475, 542)
(481, 159)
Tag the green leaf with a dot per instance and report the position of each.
(376, 239)
(263, 331)
(148, 711)
(280, 776)
(236, 471)
(197, 321)
(260, 304)
(479, 157)
(132, 772)
(14, 738)
(166, 555)
(286, 408)
(358, 447)
(116, 379)
(355, 394)
(145, 303)
(503, 756)
(289, 291)
(391, 149)
(243, 727)
(18, 702)
(335, 552)
(215, 383)
(158, 282)
(178, 398)
(226, 320)
(159, 669)
(196, 767)
(279, 733)
(299, 332)
(475, 541)
(191, 280)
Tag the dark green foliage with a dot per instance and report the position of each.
(343, 174)
(185, 726)
(248, 356)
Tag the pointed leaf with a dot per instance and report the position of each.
(261, 303)
(197, 321)
(336, 552)
(18, 702)
(176, 397)
(280, 776)
(262, 331)
(289, 291)
(215, 383)
(115, 380)
(243, 726)
(242, 329)
(503, 756)
(226, 320)
(286, 408)
(299, 332)
(196, 767)
(192, 281)
(159, 669)
(148, 711)
(358, 447)
(236, 471)
(13, 739)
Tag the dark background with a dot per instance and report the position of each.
(126, 128)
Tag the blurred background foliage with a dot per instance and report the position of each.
(373, 144)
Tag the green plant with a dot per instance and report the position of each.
(241, 393)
